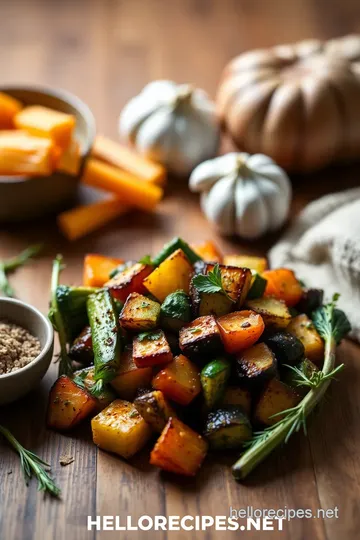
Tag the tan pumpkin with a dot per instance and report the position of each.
(298, 104)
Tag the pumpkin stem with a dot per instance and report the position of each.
(184, 95)
(241, 168)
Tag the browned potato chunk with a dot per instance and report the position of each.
(130, 377)
(303, 328)
(240, 397)
(151, 349)
(155, 409)
(274, 312)
(276, 397)
(139, 313)
(200, 338)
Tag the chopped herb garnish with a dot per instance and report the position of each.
(152, 336)
(211, 282)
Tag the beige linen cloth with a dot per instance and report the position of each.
(323, 248)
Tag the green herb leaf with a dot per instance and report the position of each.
(32, 465)
(146, 260)
(152, 336)
(6, 267)
(331, 322)
(210, 283)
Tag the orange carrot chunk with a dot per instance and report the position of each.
(130, 190)
(45, 122)
(82, 220)
(240, 329)
(282, 284)
(97, 269)
(24, 154)
(179, 449)
(208, 251)
(9, 107)
(129, 160)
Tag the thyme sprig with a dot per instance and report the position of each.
(10, 265)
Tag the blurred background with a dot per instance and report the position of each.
(105, 51)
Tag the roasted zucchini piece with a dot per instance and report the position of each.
(174, 245)
(139, 313)
(71, 303)
(235, 395)
(276, 397)
(128, 281)
(256, 365)
(179, 449)
(287, 348)
(179, 380)
(200, 338)
(129, 377)
(291, 378)
(68, 404)
(310, 300)
(175, 311)
(172, 274)
(120, 429)
(258, 286)
(151, 349)
(86, 378)
(227, 428)
(214, 378)
(106, 336)
(274, 312)
(302, 327)
(258, 264)
(81, 350)
(155, 409)
(240, 330)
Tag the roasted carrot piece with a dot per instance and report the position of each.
(82, 220)
(179, 380)
(131, 190)
(208, 251)
(129, 160)
(240, 329)
(9, 107)
(129, 281)
(282, 284)
(179, 449)
(97, 269)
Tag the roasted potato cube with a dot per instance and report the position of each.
(139, 313)
(128, 281)
(240, 397)
(256, 365)
(172, 274)
(200, 338)
(86, 377)
(236, 283)
(129, 377)
(179, 449)
(151, 349)
(155, 409)
(120, 429)
(68, 404)
(82, 350)
(303, 328)
(179, 380)
(276, 397)
(274, 312)
(283, 284)
(259, 264)
(240, 329)
(227, 428)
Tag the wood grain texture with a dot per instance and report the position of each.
(105, 51)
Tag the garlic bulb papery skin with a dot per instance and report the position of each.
(175, 125)
(243, 194)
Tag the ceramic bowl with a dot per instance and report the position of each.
(26, 198)
(15, 385)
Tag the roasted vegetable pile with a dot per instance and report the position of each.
(202, 351)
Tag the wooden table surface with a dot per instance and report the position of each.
(105, 51)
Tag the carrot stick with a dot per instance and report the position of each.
(85, 219)
(129, 160)
(128, 188)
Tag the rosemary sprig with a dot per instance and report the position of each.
(65, 366)
(32, 465)
(317, 377)
(10, 265)
(332, 325)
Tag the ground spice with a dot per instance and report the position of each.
(17, 347)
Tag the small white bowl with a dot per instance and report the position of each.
(15, 385)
